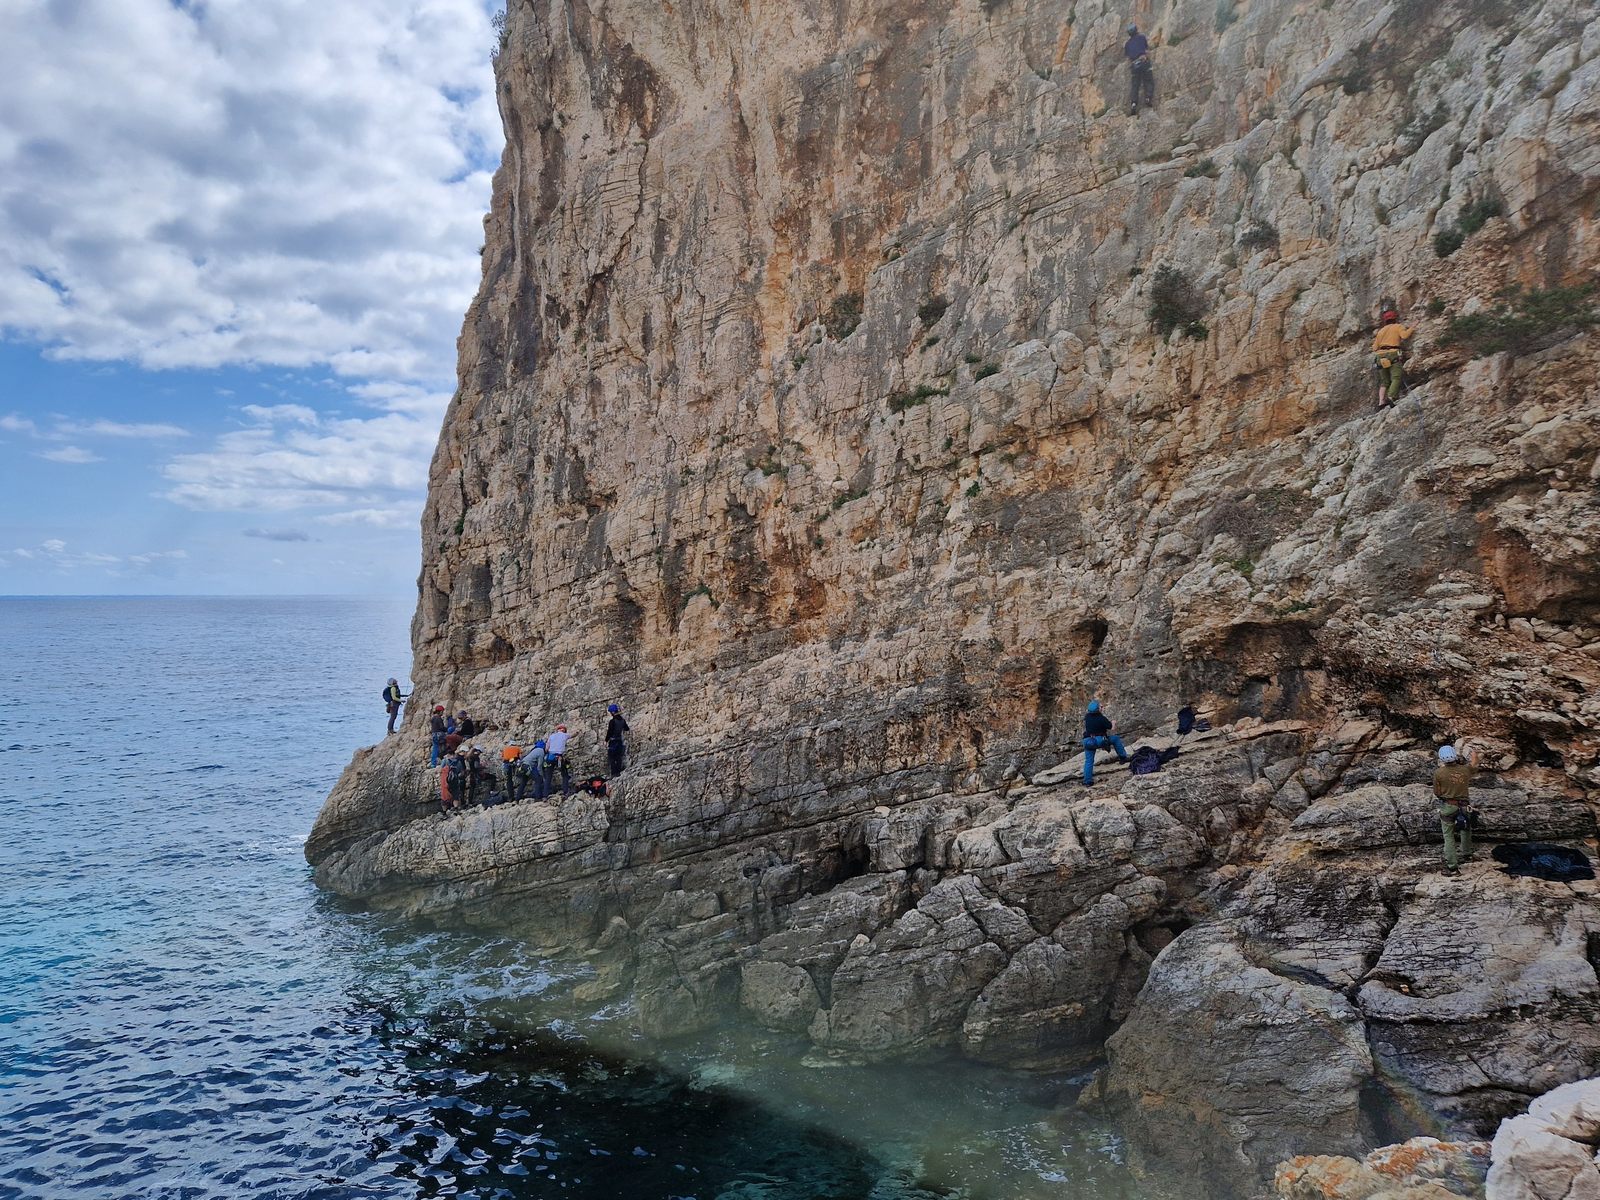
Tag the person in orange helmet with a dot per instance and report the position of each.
(1389, 356)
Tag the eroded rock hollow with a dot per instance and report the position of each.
(854, 390)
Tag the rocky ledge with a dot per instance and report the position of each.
(1262, 929)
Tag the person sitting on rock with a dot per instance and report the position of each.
(1141, 75)
(1097, 735)
(466, 726)
(437, 730)
(1451, 785)
(555, 756)
(616, 747)
(1389, 356)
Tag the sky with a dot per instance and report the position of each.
(237, 238)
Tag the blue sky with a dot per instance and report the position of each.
(236, 242)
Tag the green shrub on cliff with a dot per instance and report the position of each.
(1525, 321)
(843, 315)
(1175, 303)
(1473, 218)
(900, 401)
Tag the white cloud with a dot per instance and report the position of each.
(53, 553)
(278, 535)
(75, 455)
(326, 462)
(118, 429)
(269, 414)
(377, 518)
(285, 183)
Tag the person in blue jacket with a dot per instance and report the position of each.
(1141, 75)
(1097, 735)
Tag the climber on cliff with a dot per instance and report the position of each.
(516, 775)
(555, 757)
(452, 781)
(392, 700)
(1097, 735)
(436, 735)
(533, 765)
(616, 747)
(1452, 784)
(1141, 74)
(1389, 356)
(476, 772)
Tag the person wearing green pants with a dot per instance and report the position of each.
(1451, 786)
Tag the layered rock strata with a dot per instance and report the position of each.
(854, 390)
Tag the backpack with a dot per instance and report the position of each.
(595, 785)
(457, 774)
(1146, 760)
(386, 693)
(1185, 720)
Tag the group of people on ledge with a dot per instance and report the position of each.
(465, 778)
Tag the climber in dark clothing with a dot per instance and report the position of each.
(436, 732)
(476, 775)
(616, 748)
(1141, 75)
(1097, 735)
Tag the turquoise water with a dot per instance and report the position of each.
(182, 1014)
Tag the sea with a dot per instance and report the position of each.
(183, 1014)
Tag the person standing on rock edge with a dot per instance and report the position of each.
(616, 748)
(1452, 784)
(473, 758)
(516, 777)
(1141, 74)
(392, 700)
(1389, 356)
(436, 732)
(555, 756)
(1097, 735)
(452, 781)
(534, 766)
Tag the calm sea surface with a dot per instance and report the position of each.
(182, 1014)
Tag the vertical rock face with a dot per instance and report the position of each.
(854, 389)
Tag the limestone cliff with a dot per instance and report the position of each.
(855, 389)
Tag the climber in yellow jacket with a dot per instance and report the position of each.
(1389, 355)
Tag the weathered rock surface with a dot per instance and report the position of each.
(1422, 1168)
(811, 407)
(1549, 1153)
(1349, 989)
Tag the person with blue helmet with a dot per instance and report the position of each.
(1097, 735)
(616, 748)
(533, 763)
